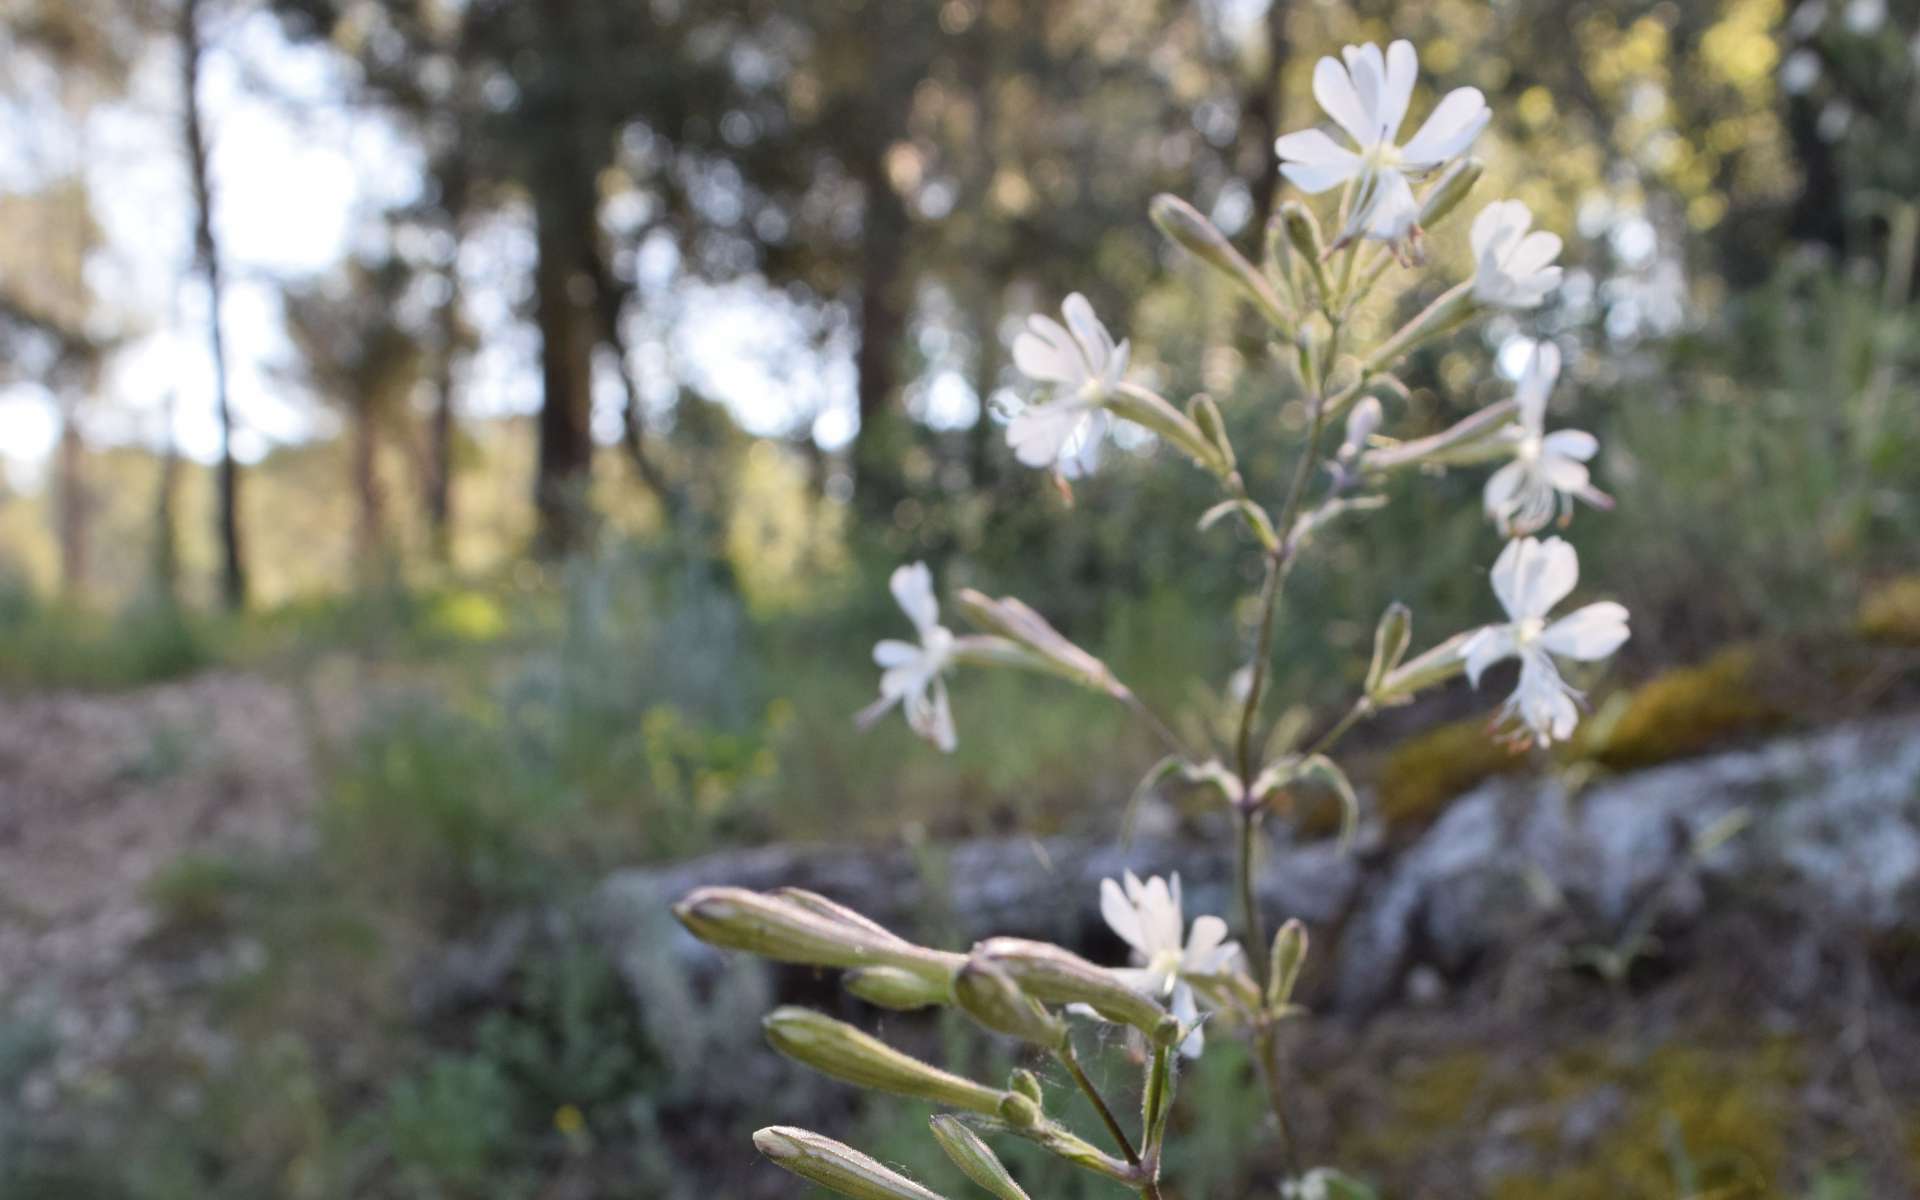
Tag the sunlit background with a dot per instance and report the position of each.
(451, 454)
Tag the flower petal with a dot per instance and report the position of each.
(1564, 474)
(892, 652)
(1570, 443)
(1096, 344)
(1403, 68)
(1543, 574)
(1041, 432)
(1314, 162)
(1121, 916)
(1499, 223)
(1487, 647)
(1502, 488)
(1589, 633)
(1333, 88)
(1046, 352)
(1543, 367)
(1448, 130)
(912, 586)
(1368, 71)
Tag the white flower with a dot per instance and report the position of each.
(1531, 577)
(1368, 99)
(912, 673)
(1548, 469)
(1082, 363)
(1147, 917)
(1512, 268)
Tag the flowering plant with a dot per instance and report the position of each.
(1185, 982)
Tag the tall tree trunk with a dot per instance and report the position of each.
(1263, 110)
(564, 308)
(369, 504)
(440, 428)
(986, 376)
(233, 572)
(883, 281)
(72, 505)
(166, 535)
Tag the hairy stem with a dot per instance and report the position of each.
(1072, 1064)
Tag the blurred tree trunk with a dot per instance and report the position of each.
(440, 428)
(1263, 111)
(986, 376)
(166, 532)
(72, 504)
(564, 218)
(883, 281)
(233, 573)
(370, 540)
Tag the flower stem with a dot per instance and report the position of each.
(1254, 931)
(1265, 1048)
(1072, 1064)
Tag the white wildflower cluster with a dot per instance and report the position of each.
(1183, 981)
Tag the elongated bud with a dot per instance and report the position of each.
(989, 995)
(1434, 667)
(891, 987)
(1289, 955)
(1303, 234)
(1451, 188)
(1206, 415)
(1442, 316)
(837, 1049)
(1391, 638)
(1057, 976)
(975, 1158)
(1469, 440)
(1045, 648)
(1150, 411)
(737, 919)
(1196, 235)
(1362, 423)
(836, 1167)
(1277, 252)
(1027, 1084)
(833, 910)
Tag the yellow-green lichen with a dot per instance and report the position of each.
(1424, 772)
(1685, 711)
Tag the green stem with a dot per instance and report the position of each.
(1254, 935)
(1325, 741)
(1072, 1064)
(1264, 1050)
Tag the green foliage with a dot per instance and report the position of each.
(58, 645)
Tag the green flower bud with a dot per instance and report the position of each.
(1303, 234)
(837, 1049)
(833, 910)
(1390, 640)
(1436, 666)
(1277, 251)
(1289, 954)
(1056, 976)
(1449, 190)
(1469, 440)
(1027, 1084)
(1149, 411)
(891, 987)
(1041, 646)
(1198, 236)
(1442, 316)
(989, 995)
(1206, 415)
(1019, 1112)
(738, 919)
(834, 1166)
(975, 1158)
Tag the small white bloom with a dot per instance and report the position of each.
(1548, 469)
(1368, 99)
(1513, 268)
(1084, 365)
(1147, 916)
(912, 673)
(1531, 577)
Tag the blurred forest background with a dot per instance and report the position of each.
(454, 449)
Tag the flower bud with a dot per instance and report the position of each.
(833, 910)
(738, 919)
(1444, 315)
(1057, 976)
(1469, 440)
(1027, 1084)
(837, 1049)
(1289, 954)
(1390, 640)
(1198, 236)
(834, 1166)
(1152, 412)
(1206, 415)
(1449, 190)
(989, 995)
(1041, 646)
(974, 1157)
(891, 987)
(1277, 251)
(1362, 423)
(1303, 234)
(1436, 666)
